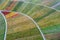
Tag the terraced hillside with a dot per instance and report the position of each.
(21, 27)
(44, 12)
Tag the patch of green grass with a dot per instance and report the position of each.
(51, 29)
(2, 27)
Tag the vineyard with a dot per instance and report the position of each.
(45, 13)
